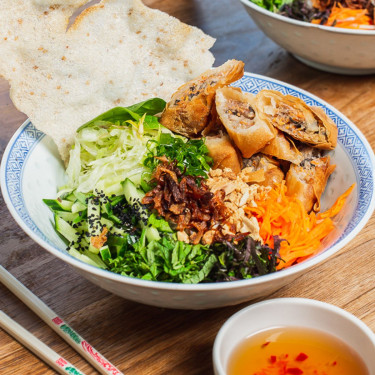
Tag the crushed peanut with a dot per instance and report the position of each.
(238, 193)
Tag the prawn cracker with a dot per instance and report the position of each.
(116, 53)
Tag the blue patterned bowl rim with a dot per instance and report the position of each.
(328, 29)
(355, 144)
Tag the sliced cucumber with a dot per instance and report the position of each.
(75, 253)
(93, 249)
(132, 194)
(105, 253)
(71, 197)
(106, 222)
(152, 234)
(64, 194)
(66, 229)
(78, 206)
(82, 215)
(93, 217)
(67, 216)
(81, 197)
(119, 231)
(58, 204)
(83, 227)
(95, 258)
(88, 258)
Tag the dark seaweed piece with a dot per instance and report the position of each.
(244, 259)
(301, 10)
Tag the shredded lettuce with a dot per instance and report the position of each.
(112, 147)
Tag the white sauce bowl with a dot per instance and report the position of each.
(293, 312)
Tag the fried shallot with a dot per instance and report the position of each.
(189, 205)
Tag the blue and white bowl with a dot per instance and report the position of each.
(31, 170)
(332, 49)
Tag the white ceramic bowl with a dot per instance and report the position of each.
(293, 312)
(331, 49)
(32, 170)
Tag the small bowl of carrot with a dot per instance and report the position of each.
(294, 336)
(333, 36)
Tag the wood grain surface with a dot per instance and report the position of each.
(153, 341)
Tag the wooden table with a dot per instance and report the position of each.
(147, 340)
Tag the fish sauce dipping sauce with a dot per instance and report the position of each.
(295, 336)
(295, 350)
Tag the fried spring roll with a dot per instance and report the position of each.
(223, 153)
(282, 148)
(237, 112)
(189, 109)
(308, 181)
(293, 116)
(272, 173)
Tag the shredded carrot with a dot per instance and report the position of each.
(348, 18)
(336, 208)
(286, 217)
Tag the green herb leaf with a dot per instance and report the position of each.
(271, 5)
(190, 155)
(166, 260)
(134, 112)
(159, 224)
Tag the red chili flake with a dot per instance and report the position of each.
(334, 363)
(273, 359)
(266, 344)
(294, 371)
(301, 357)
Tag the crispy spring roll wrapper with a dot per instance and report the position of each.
(214, 125)
(293, 116)
(239, 116)
(283, 148)
(223, 153)
(308, 181)
(262, 170)
(188, 111)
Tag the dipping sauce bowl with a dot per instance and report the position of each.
(302, 313)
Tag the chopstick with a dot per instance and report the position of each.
(58, 324)
(49, 356)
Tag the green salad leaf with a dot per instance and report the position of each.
(120, 115)
(166, 260)
(271, 5)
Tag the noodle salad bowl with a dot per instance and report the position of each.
(334, 50)
(32, 170)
